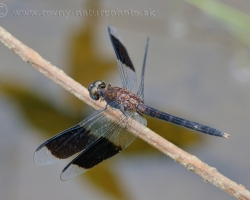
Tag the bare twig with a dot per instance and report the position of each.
(190, 162)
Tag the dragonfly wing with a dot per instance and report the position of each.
(125, 65)
(140, 92)
(112, 142)
(74, 139)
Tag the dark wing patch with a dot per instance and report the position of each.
(101, 150)
(125, 65)
(115, 140)
(98, 152)
(57, 147)
(74, 139)
(122, 53)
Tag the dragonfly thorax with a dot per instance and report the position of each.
(94, 89)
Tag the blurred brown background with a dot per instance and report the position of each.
(198, 68)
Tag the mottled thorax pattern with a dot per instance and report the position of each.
(126, 98)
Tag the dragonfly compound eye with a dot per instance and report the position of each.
(94, 91)
(99, 84)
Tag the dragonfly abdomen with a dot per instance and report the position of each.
(179, 121)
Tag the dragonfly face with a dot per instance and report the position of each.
(94, 89)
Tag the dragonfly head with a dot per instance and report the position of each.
(94, 89)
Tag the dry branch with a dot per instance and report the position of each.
(192, 163)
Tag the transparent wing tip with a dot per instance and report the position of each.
(113, 31)
(71, 171)
(43, 156)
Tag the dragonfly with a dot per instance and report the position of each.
(99, 137)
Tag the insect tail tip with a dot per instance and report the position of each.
(225, 135)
